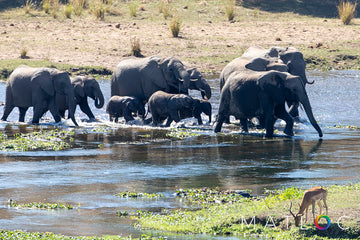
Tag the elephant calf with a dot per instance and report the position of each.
(124, 106)
(174, 107)
(199, 106)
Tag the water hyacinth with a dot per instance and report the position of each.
(40, 205)
(129, 194)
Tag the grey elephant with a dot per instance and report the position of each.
(164, 105)
(84, 87)
(291, 57)
(37, 87)
(247, 94)
(199, 106)
(124, 106)
(141, 77)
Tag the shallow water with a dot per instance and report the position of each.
(143, 159)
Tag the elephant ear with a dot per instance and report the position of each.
(79, 87)
(272, 78)
(257, 64)
(42, 78)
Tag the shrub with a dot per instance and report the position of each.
(133, 9)
(78, 6)
(230, 9)
(46, 6)
(23, 54)
(135, 47)
(98, 8)
(346, 11)
(175, 26)
(27, 6)
(164, 8)
(68, 10)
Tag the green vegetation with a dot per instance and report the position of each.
(346, 11)
(40, 205)
(266, 216)
(53, 140)
(175, 25)
(129, 194)
(8, 66)
(23, 235)
(181, 133)
(230, 9)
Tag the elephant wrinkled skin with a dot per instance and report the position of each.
(164, 105)
(248, 94)
(141, 77)
(37, 87)
(124, 106)
(84, 87)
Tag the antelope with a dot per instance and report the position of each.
(315, 194)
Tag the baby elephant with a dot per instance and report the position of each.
(164, 105)
(124, 106)
(199, 106)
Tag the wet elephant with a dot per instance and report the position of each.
(37, 88)
(248, 94)
(199, 106)
(124, 106)
(164, 105)
(84, 87)
(141, 77)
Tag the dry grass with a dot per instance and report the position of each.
(346, 11)
(135, 47)
(175, 25)
(230, 9)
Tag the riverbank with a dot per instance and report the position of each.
(207, 39)
(219, 212)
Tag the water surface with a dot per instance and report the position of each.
(138, 158)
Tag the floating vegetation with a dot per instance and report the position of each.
(181, 133)
(102, 129)
(53, 140)
(129, 194)
(213, 195)
(347, 127)
(40, 205)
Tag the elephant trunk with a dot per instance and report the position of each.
(72, 106)
(99, 99)
(206, 91)
(307, 107)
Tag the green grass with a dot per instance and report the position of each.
(53, 140)
(129, 194)
(234, 217)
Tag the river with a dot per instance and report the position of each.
(139, 158)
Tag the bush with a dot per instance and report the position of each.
(68, 10)
(175, 26)
(346, 11)
(23, 54)
(27, 6)
(230, 9)
(133, 9)
(135, 47)
(46, 6)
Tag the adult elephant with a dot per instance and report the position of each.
(141, 77)
(84, 87)
(291, 57)
(248, 94)
(37, 87)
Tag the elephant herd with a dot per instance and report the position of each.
(258, 84)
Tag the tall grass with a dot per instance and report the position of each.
(175, 25)
(135, 47)
(230, 9)
(78, 6)
(346, 11)
(68, 10)
(98, 8)
(133, 9)
(164, 8)
(27, 6)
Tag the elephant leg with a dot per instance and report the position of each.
(284, 115)
(22, 112)
(54, 110)
(62, 113)
(168, 122)
(111, 118)
(244, 124)
(219, 123)
(128, 115)
(84, 106)
(7, 110)
(175, 116)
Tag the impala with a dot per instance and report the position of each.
(311, 196)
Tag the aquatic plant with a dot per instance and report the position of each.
(40, 205)
(181, 133)
(128, 194)
(53, 140)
